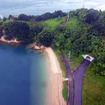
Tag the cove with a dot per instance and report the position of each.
(23, 77)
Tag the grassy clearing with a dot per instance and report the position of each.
(73, 63)
(93, 89)
(53, 23)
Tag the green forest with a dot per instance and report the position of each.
(83, 33)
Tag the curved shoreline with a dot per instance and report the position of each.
(2, 39)
(55, 79)
(55, 75)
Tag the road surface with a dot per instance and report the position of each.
(75, 81)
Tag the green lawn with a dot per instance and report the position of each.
(93, 89)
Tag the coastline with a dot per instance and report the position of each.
(31, 45)
(55, 79)
(2, 39)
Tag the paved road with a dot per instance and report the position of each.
(78, 81)
(75, 81)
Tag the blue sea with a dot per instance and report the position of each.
(23, 77)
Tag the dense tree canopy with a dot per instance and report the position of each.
(92, 16)
(45, 37)
(23, 17)
(1, 31)
(84, 33)
(19, 30)
(1, 27)
(35, 30)
(46, 16)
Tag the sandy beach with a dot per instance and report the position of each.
(55, 79)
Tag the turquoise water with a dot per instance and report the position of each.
(22, 76)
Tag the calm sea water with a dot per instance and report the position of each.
(22, 76)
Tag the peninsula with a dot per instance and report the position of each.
(77, 33)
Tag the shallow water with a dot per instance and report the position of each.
(22, 76)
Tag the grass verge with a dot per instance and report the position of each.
(93, 89)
